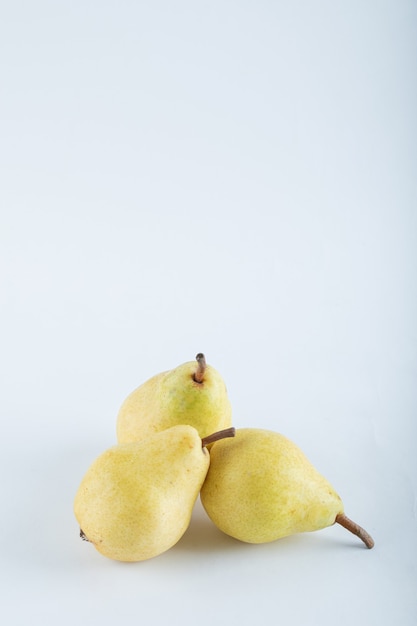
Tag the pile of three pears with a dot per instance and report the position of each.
(136, 499)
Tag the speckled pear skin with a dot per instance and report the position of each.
(260, 487)
(174, 397)
(136, 499)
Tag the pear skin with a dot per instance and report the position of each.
(193, 393)
(136, 499)
(260, 487)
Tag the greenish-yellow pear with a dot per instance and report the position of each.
(260, 486)
(136, 499)
(193, 393)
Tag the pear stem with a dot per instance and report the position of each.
(220, 434)
(201, 368)
(354, 528)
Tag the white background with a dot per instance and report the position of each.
(237, 178)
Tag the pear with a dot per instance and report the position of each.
(260, 486)
(136, 499)
(193, 393)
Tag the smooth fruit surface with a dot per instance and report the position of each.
(260, 486)
(136, 499)
(175, 397)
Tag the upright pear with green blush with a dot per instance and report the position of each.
(193, 393)
(136, 499)
(260, 486)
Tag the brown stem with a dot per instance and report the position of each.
(201, 368)
(83, 535)
(354, 528)
(220, 434)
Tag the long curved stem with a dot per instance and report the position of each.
(354, 528)
(220, 434)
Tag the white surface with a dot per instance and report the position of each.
(236, 178)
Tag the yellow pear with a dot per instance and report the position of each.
(136, 499)
(260, 486)
(193, 393)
